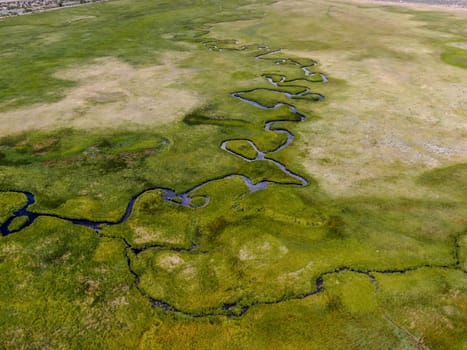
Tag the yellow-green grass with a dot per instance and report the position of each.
(67, 288)
(337, 319)
(430, 304)
(10, 202)
(379, 234)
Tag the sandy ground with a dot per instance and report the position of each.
(110, 93)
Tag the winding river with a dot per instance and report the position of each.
(279, 84)
(186, 198)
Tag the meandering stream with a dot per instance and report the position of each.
(186, 198)
(279, 84)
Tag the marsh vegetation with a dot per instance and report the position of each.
(206, 174)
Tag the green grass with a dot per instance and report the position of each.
(305, 237)
(70, 287)
(152, 222)
(18, 223)
(243, 148)
(462, 253)
(93, 175)
(456, 57)
(428, 303)
(9, 203)
(336, 319)
(74, 146)
(65, 282)
(443, 179)
(130, 30)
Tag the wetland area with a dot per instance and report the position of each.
(212, 175)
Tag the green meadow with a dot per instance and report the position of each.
(114, 115)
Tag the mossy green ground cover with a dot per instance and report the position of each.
(11, 202)
(285, 267)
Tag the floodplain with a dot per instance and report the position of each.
(234, 175)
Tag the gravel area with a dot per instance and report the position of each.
(450, 3)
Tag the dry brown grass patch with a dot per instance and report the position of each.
(111, 93)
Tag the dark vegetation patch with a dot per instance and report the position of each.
(203, 117)
(452, 179)
(455, 56)
(71, 146)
